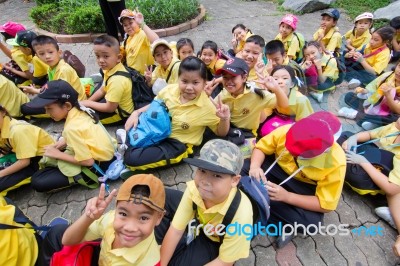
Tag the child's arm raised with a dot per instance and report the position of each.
(169, 244)
(151, 35)
(281, 98)
(224, 114)
(95, 208)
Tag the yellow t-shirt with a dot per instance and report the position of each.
(21, 59)
(18, 246)
(377, 61)
(332, 40)
(326, 171)
(241, 44)
(24, 139)
(329, 69)
(159, 72)
(360, 41)
(381, 132)
(189, 120)
(247, 107)
(146, 252)
(66, 72)
(119, 89)
(233, 247)
(299, 105)
(40, 68)
(215, 65)
(11, 97)
(291, 44)
(253, 74)
(138, 52)
(87, 139)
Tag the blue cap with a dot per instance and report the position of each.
(332, 12)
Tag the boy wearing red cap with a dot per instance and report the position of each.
(287, 27)
(127, 232)
(306, 151)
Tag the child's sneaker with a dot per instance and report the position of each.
(384, 213)
(318, 96)
(347, 112)
(354, 83)
(368, 125)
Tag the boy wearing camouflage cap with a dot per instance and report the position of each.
(207, 199)
(127, 232)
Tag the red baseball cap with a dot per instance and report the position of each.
(332, 121)
(309, 137)
(11, 28)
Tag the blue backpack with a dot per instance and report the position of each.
(258, 196)
(154, 126)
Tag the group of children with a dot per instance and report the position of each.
(249, 101)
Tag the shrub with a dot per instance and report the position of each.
(85, 19)
(82, 16)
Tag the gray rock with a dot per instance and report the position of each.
(388, 12)
(307, 6)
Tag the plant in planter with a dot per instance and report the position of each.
(83, 16)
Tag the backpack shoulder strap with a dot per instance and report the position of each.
(119, 73)
(230, 213)
(170, 72)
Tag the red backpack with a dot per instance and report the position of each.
(76, 255)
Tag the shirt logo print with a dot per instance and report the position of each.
(185, 125)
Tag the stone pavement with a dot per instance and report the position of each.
(263, 19)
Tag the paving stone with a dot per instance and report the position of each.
(250, 260)
(35, 213)
(306, 251)
(364, 213)
(325, 247)
(265, 255)
(386, 242)
(60, 197)
(53, 210)
(183, 173)
(370, 248)
(286, 255)
(168, 176)
(182, 186)
(39, 199)
(261, 241)
(74, 210)
(349, 250)
(346, 214)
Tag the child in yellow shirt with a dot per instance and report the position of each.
(137, 44)
(395, 24)
(127, 232)
(286, 35)
(328, 34)
(360, 34)
(113, 101)
(363, 66)
(240, 34)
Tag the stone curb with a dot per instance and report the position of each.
(89, 37)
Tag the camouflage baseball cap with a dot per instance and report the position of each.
(219, 156)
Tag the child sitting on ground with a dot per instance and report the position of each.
(30, 68)
(363, 66)
(113, 101)
(360, 35)
(308, 171)
(376, 105)
(320, 69)
(184, 48)
(139, 38)
(395, 24)
(49, 52)
(286, 35)
(240, 34)
(276, 56)
(374, 168)
(127, 232)
(206, 201)
(328, 34)
(167, 69)
(11, 97)
(84, 141)
(28, 143)
(191, 113)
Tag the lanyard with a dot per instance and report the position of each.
(387, 136)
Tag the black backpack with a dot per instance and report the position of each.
(142, 94)
(342, 70)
